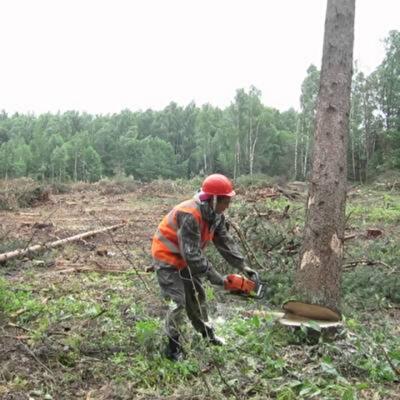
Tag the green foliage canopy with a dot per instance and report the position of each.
(181, 142)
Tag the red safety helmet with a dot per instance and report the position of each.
(217, 185)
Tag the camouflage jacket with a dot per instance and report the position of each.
(189, 242)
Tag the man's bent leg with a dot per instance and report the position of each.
(196, 309)
(172, 289)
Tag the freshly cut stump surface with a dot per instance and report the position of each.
(311, 311)
(295, 320)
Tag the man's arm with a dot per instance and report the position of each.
(190, 246)
(189, 243)
(227, 247)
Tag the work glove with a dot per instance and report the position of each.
(206, 270)
(250, 273)
(214, 277)
(189, 272)
(198, 270)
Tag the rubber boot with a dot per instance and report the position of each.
(210, 336)
(173, 350)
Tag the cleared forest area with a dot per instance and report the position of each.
(84, 321)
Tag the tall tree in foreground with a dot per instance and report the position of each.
(319, 271)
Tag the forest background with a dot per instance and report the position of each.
(245, 138)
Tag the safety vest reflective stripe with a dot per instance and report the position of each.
(171, 220)
(165, 245)
(171, 246)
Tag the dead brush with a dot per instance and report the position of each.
(21, 193)
(82, 186)
(109, 187)
(168, 187)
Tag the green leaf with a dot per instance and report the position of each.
(362, 386)
(314, 325)
(256, 321)
(349, 394)
(329, 369)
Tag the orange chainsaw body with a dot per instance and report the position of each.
(239, 284)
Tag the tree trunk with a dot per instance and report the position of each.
(319, 269)
(250, 141)
(296, 148)
(49, 245)
(253, 143)
(305, 161)
(236, 169)
(76, 167)
(250, 137)
(205, 162)
(353, 158)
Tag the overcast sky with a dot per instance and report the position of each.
(102, 56)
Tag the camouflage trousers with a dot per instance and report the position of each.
(188, 297)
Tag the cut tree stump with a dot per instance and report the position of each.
(311, 311)
(297, 321)
(33, 249)
(299, 314)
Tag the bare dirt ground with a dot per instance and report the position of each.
(64, 215)
(73, 213)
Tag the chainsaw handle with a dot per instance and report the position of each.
(251, 274)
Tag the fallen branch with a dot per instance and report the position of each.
(33, 355)
(390, 362)
(88, 269)
(290, 194)
(272, 247)
(32, 249)
(348, 237)
(365, 262)
(245, 245)
(224, 381)
(127, 258)
(12, 325)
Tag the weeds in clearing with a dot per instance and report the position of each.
(101, 335)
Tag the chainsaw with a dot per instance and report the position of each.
(239, 284)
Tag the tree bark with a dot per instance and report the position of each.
(319, 270)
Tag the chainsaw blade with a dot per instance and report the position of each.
(261, 289)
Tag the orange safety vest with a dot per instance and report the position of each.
(165, 245)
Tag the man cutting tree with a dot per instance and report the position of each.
(181, 264)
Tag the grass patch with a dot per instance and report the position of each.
(102, 335)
